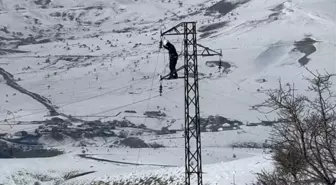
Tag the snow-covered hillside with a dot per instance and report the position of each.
(80, 61)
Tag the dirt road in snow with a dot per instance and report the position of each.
(10, 81)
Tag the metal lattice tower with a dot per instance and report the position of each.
(192, 132)
(193, 158)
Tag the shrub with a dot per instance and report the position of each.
(304, 146)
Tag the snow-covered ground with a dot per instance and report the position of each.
(96, 59)
(239, 171)
(222, 164)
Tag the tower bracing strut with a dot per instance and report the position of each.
(192, 131)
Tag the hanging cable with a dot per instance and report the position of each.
(160, 88)
(164, 72)
(220, 63)
(149, 99)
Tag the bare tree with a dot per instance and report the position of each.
(304, 143)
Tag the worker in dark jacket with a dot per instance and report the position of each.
(173, 56)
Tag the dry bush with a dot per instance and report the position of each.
(304, 145)
(149, 180)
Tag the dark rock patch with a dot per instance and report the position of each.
(11, 51)
(18, 40)
(14, 150)
(278, 8)
(261, 80)
(4, 29)
(276, 15)
(223, 7)
(43, 41)
(122, 123)
(93, 8)
(305, 46)
(154, 114)
(224, 64)
(56, 14)
(72, 61)
(277, 12)
(207, 34)
(125, 30)
(166, 130)
(130, 111)
(27, 139)
(265, 123)
(219, 123)
(251, 145)
(134, 142)
(214, 26)
(42, 3)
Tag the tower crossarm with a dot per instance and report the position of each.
(206, 51)
(178, 30)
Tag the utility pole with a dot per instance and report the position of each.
(192, 132)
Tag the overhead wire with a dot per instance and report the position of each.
(100, 95)
(133, 103)
(227, 95)
(150, 97)
(242, 88)
(232, 48)
(74, 102)
(43, 110)
(288, 43)
(281, 44)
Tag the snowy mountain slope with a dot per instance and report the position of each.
(244, 33)
(97, 59)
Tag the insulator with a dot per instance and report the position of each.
(160, 89)
(220, 65)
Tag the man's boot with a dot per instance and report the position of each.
(171, 75)
(175, 75)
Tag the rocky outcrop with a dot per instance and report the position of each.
(134, 142)
(15, 150)
(219, 123)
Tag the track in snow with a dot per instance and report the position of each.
(44, 101)
(126, 163)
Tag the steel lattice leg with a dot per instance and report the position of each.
(193, 163)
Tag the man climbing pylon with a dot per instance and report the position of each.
(173, 56)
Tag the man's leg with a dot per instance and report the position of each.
(174, 67)
(171, 67)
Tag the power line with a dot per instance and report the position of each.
(288, 43)
(43, 110)
(92, 97)
(99, 95)
(130, 104)
(229, 97)
(242, 88)
(150, 97)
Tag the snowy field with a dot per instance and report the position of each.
(222, 163)
(100, 60)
